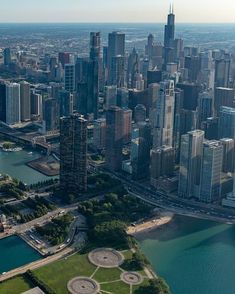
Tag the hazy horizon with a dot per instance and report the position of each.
(112, 11)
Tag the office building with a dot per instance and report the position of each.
(36, 104)
(224, 97)
(212, 160)
(169, 35)
(50, 115)
(227, 122)
(190, 164)
(161, 163)
(163, 129)
(65, 103)
(99, 134)
(69, 77)
(205, 107)
(222, 71)
(114, 138)
(116, 47)
(25, 102)
(140, 113)
(127, 125)
(7, 56)
(140, 150)
(228, 155)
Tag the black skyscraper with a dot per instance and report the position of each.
(170, 30)
(2, 102)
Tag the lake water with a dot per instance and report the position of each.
(194, 256)
(13, 163)
(14, 252)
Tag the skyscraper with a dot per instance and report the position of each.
(140, 150)
(114, 138)
(12, 103)
(227, 122)
(117, 73)
(190, 164)
(116, 47)
(88, 88)
(99, 137)
(50, 115)
(163, 132)
(127, 127)
(2, 101)
(25, 102)
(222, 71)
(169, 35)
(162, 163)
(95, 46)
(212, 160)
(7, 56)
(69, 77)
(228, 155)
(223, 97)
(73, 154)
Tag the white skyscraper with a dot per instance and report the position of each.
(164, 115)
(12, 103)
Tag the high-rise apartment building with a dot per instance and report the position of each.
(12, 103)
(73, 154)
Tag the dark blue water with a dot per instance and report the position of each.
(194, 256)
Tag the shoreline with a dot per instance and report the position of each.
(151, 224)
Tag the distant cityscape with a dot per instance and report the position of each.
(129, 127)
(164, 115)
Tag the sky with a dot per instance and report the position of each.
(153, 11)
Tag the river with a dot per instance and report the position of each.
(14, 164)
(194, 256)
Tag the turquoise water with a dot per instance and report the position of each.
(194, 256)
(14, 252)
(13, 163)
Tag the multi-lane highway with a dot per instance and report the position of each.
(175, 204)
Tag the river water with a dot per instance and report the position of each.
(194, 256)
(13, 163)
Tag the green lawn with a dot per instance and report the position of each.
(127, 254)
(116, 288)
(107, 275)
(57, 274)
(14, 286)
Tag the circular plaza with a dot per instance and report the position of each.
(106, 257)
(131, 278)
(83, 285)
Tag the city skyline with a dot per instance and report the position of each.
(123, 11)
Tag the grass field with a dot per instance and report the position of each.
(57, 274)
(15, 286)
(116, 288)
(107, 275)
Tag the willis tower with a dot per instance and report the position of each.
(169, 37)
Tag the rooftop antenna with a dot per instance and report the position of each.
(170, 8)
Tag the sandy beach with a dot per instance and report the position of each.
(151, 224)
